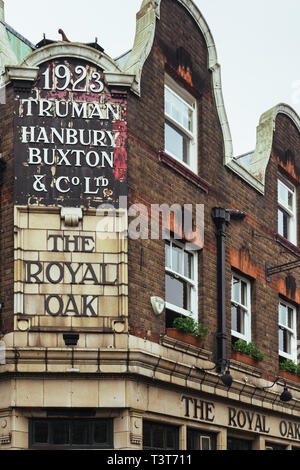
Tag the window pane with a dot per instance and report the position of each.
(235, 289)
(177, 255)
(238, 318)
(285, 341)
(234, 318)
(241, 320)
(287, 346)
(41, 432)
(280, 222)
(178, 110)
(171, 437)
(188, 265)
(177, 143)
(282, 194)
(193, 440)
(290, 318)
(176, 292)
(280, 338)
(100, 433)
(238, 444)
(79, 433)
(282, 315)
(158, 437)
(146, 435)
(168, 256)
(291, 201)
(173, 141)
(283, 223)
(60, 432)
(243, 293)
(197, 440)
(205, 443)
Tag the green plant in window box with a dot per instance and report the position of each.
(290, 366)
(250, 349)
(289, 370)
(189, 325)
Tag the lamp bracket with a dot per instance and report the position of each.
(270, 270)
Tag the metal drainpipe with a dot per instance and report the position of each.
(221, 218)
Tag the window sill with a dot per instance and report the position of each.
(244, 368)
(184, 171)
(287, 244)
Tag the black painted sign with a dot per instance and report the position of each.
(70, 138)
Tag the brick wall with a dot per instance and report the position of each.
(7, 220)
(7, 225)
(250, 243)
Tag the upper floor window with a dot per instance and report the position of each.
(287, 331)
(181, 282)
(180, 125)
(287, 211)
(241, 308)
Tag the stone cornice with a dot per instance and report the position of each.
(163, 365)
(28, 69)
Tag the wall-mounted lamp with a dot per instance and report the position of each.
(286, 396)
(226, 377)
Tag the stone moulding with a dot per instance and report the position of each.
(6, 439)
(7, 55)
(114, 76)
(149, 362)
(264, 139)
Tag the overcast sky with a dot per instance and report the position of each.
(257, 43)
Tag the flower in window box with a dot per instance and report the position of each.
(289, 370)
(247, 353)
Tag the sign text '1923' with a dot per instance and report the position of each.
(78, 79)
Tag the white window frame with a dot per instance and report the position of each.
(247, 308)
(192, 282)
(292, 220)
(293, 331)
(191, 102)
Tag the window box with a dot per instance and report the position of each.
(289, 370)
(188, 338)
(289, 376)
(244, 358)
(247, 353)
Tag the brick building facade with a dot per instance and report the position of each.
(89, 361)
